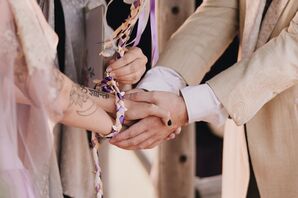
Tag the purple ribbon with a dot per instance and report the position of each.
(141, 27)
(154, 37)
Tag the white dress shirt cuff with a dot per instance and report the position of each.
(162, 79)
(203, 105)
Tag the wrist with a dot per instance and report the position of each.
(108, 105)
(104, 100)
(182, 112)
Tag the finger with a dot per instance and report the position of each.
(137, 67)
(129, 123)
(164, 115)
(126, 82)
(125, 60)
(178, 131)
(155, 144)
(134, 91)
(142, 110)
(150, 143)
(171, 136)
(132, 144)
(137, 53)
(112, 61)
(146, 110)
(131, 132)
(125, 70)
(142, 97)
(130, 78)
(131, 55)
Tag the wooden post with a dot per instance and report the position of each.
(176, 167)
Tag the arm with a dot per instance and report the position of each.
(86, 108)
(194, 48)
(204, 47)
(245, 87)
(77, 106)
(44, 86)
(197, 104)
(201, 40)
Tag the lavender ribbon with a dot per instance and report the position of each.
(141, 27)
(143, 19)
(154, 37)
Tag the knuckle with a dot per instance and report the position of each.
(145, 59)
(138, 50)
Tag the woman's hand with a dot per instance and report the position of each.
(130, 68)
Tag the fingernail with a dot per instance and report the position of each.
(109, 69)
(170, 123)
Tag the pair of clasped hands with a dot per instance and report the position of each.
(162, 113)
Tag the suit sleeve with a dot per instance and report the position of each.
(246, 86)
(201, 40)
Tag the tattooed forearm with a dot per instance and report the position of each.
(98, 93)
(78, 95)
(81, 97)
(89, 111)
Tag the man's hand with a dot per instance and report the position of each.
(164, 100)
(140, 110)
(150, 131)
(130, 68)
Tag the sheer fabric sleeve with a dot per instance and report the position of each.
(27, 56)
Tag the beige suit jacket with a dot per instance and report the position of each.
(261, 90)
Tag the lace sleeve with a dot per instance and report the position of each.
(26, 141)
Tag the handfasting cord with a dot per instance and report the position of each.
(117, 43)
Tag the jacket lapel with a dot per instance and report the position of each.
(271, 18)
(253, 17)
